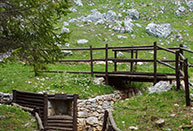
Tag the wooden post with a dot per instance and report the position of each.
(181, 52)
(14, 96)
(136, 56)
(105, 121)
(131, 66)
(75, 112)
(45, 109)
(177, 71)
(155, 62)
(186, 82)
(115, 63)
(91, 61)
(106, 65)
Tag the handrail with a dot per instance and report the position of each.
(186, 50)
(166, 64)
(166, 49)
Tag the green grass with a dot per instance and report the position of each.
(138, 111)
(16, 119)
(19, 76)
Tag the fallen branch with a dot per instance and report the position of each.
(40, 125)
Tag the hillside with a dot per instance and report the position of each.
(116, 23)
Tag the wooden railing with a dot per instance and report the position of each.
(180, 62)
(109, 123)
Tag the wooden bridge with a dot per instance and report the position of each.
(179, 65)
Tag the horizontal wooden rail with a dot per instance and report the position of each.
(190, 51)
(131, 60)
(166, 64)
(166, 49)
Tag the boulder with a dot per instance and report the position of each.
(161, 86)
(133, 13)
(65, 30)
(119, 54)
(82, 41)
(190, 4)
(159, 30)
(181, 10)
(110, 16)
(95, 16)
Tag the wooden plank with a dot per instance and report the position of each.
(136, 57)
(132, 60)
(166, 64)
(155, 63)
(166, 49)
(45, 109)
(40, 125)
(186, 82)
(131, 65)
(190, 51)
(115, 63)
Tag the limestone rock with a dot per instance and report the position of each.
(160, 122)
(181, 10)
(78, 2)
(82, 41)
(161, 86)
(121, 37)
(119, 54)
(65, 23)
(133, 13)
(83, 114)
(65, 30)
(98, 80)
(66, 52)
(92, 120)
(110, 15)
(159, 30)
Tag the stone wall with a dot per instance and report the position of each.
(91, 111)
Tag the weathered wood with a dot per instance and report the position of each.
(186, 82)
(166, 49)
(45, 109)
(177, 71)
(106, 65)
(91, 61)
(131, 66)
(166, 64)
(155, 63)
(39, 121)
(115, 63)
(75, 112)
(136, 57)
(23, 108)
(190, 51)
(105, 121)
(109, 123)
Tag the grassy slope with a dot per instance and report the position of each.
(16, 119)
(19, 76)
(98, 34)
(138, 111)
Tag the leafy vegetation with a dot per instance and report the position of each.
(13, 118)
(27, 29)
(142, 111)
